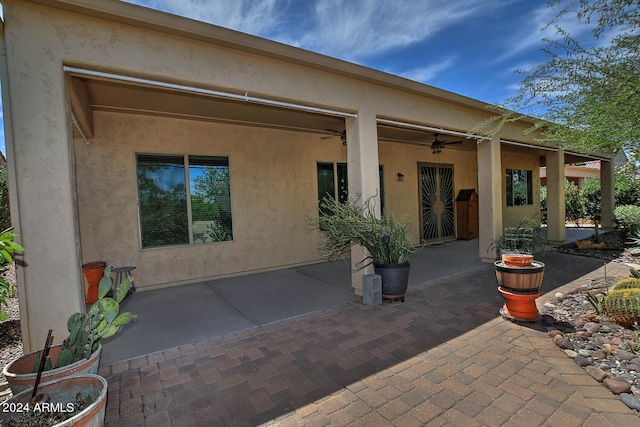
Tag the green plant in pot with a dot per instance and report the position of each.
(385, 240)
(80, 351)
(517, 244)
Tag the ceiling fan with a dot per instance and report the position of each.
(436, 146)
(341, 133)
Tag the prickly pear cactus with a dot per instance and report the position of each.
(622, 304)
(101, 321)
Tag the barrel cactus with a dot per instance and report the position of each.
(622, 303)
(628, 283)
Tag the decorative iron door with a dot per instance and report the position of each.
(436, 189)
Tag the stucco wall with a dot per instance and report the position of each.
(273, 190)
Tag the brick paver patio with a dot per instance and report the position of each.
(443, 357)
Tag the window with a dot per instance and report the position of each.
(333, 181)
(519, 187)
(172, 213)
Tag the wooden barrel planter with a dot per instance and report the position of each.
(526, 279)
(520, 286)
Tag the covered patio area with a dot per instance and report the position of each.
(224, 306)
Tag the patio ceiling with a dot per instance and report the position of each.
(89, 93)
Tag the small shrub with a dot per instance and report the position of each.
(628, 217)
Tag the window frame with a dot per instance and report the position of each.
(186, 164)
(511, 175)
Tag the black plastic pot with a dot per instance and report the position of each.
(395, 279)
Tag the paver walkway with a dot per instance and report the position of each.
(444, 357)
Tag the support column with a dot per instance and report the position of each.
(490, 177)
(607, 195)
(556, 203)
(364, 178)
(43, 198)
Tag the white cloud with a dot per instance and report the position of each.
(351, 30)
(430, 72)
(534, 28)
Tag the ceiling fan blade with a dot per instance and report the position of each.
(450, 142)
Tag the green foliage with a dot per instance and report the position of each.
(627, 192)
(101, 321)
(349, 223)
(590, 196)
(525, 237)
(574, 209)
(595, 301)
(5, 217)
(628, 217)
(543, 204)
(622, 304)
(8, 249)
(586, 96)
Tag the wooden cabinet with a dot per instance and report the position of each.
(467, 214)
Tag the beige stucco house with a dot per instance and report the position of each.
(194, 152)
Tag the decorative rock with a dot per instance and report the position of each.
(617, 386)
(633, 367)
(570, 353)
(559, 296)
(584, 352)
(607, 347)
(616, 341)
(635, 361)
(592, 327)
(563, 342)
(630, 400)
(554, 332)
(625, 355)
(597, 373)
(598, 354)
(582, 361)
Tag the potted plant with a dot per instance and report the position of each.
(73, 400)
(385, 239)
(517, 244)
(80, 351)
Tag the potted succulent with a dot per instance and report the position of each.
(80, 351)
(385, 239)
(517, 244)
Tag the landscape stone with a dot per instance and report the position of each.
(617, 386)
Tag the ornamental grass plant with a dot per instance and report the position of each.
(353, 223)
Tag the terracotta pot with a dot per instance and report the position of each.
(519, 306)
(93, 272)
(517, 260)
(20, 375)
(521, 279)
(395, 279)
(62, 393)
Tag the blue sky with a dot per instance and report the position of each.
(470, 47)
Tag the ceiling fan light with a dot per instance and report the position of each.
(436, 149)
